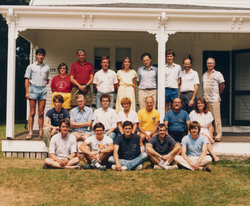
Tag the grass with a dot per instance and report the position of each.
(24, 182)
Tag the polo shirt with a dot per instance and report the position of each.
(80, 72)
(211, 85)
(105, 81)
(80, 117)
(148, 119)
(164, 147)
(188, 80)
(62, 148)
(108, 118)
(171, 76)
(38, 75)
(147, 77)
(132, 117)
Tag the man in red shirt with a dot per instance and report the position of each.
(81, 76)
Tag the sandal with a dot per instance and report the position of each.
(217, 139)
(29, 137)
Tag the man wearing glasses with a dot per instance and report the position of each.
(176, 120)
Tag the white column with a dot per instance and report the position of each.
(11, 66)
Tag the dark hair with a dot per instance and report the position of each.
(104, 57)
(41, 51)
(161, 125)
(127, 123)
(99, 125)
(124, 60)
(59, 97)
(60, 65)
(65, 120)
(206, 107)
(170, 51)
(80, 50)
(194, 124)
(190, 59)
(146, 54)
(104, 95)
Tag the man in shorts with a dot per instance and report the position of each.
(172, 79)
(81, 76)
(62, 149)
(101, 148)
(37, 75)
(81, 118)
(52, 119)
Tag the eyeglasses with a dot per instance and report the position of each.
(62, 67)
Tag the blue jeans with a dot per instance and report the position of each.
(98, 103)
(112, 135)
(130, 164)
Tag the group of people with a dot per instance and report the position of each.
(107, 131)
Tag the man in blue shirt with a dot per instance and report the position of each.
(146, 80)
(37, 75)
(175, 120)
(81, 118)
(52, 119)
(194, 150)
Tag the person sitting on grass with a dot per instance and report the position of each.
(129, 151)
(101, 148)
(62, 150)
(194, 150)
(162, 149)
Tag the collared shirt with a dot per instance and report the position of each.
(148, 119)
(211, 83)
(81, 117)
(171, 76)
(188, 80)
(37, 74)
(164, 147)
(108, 118)
(147, 77)
(132, 117)
(105, 81)
(80, 72)
(62, 148)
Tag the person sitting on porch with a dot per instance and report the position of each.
(81, 76)
(107, 116)
(101, 148)
(129, 151)
(37, 75)
(127, 114)
(52, 119)
(149, 119)
(194, 150)
(162, 149)
(62, 149)
(61, 84)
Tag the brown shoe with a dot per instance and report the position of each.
(206, 169)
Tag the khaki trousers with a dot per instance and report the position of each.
(180, 160)
(46, 136)
(214, 108)
(143, 94)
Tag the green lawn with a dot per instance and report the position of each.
(24, 182)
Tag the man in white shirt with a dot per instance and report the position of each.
(105, 81)
(213, 86)
(106, 116)
(172, 79)
(189, 85)
(101, 148)
(62, 149)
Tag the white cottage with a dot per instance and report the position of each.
(198, 29)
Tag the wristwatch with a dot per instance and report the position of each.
(100, 152)
(68, 159)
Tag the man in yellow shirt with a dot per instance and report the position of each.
(149, 119)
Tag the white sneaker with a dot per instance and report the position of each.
(157, 167)
(124, 168)
(139, 167)
(174, 167)
(113, 167)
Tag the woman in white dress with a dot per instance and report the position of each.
(202, 115)
(127, 115)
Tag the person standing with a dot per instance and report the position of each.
(37, 75)
(126, 86)
(213, 86)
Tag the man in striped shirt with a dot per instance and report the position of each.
(213, 86)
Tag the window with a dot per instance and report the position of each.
(120, 54)
(99, 52)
